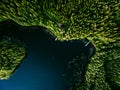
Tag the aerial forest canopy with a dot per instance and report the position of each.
(97, 20)
(11, 56)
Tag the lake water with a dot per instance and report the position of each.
(47, 60)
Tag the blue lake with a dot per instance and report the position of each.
(46, 63)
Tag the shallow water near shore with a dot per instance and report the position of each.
(47, 60)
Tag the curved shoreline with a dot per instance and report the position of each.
(67, 46)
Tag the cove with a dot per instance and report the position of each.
(50, 64)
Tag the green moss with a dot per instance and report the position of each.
(94, 19)
(11, 56)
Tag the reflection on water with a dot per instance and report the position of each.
(45, 67)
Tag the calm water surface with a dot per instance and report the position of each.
(46, 62)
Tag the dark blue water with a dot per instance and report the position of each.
(46, 63)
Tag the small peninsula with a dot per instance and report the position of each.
(11, 55)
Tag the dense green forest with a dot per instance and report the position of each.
(97, 20)
(11, 56)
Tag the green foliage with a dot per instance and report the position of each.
(96, 82)
(11, 56)
(112, 66)
(97, 20)
(117, 17)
